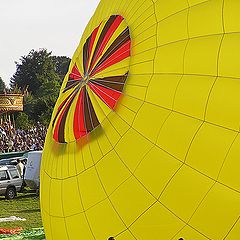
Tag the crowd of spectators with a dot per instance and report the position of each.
(15, 140)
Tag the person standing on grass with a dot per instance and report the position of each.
(20, 167)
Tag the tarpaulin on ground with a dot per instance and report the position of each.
(12, 219)
(32, 234)
(10, 231)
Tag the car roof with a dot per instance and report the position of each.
(3, 168)
(7, 167)
(11, 159)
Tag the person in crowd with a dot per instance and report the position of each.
(14, 140)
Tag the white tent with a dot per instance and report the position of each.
(32, 173)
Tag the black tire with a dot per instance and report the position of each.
(11, 193)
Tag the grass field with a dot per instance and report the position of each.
(26, 205)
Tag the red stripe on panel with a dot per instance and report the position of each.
(75, 74)
(109, 96)
(79, 124)
(119, 55)
(107, 37)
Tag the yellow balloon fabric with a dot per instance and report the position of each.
(144, 139)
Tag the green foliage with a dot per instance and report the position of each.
(2, 86)
(61, 65)
(33, 70)
(22, 121)
(29, 102)
(39, 75)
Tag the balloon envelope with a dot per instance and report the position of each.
(144, 138)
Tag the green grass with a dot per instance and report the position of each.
(26, 205)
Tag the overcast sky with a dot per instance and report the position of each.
(56, 25)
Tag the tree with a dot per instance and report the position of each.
(61, 65)
(2, 86)
(44, 102)
(33, 70)
(22, 121)
(41, 74)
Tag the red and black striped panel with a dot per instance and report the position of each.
(100, 51)
(108, 89)
(73, 79)
(85, 119)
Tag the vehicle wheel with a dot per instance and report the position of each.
(11, 193)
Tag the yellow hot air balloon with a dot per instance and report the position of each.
(144, 139)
